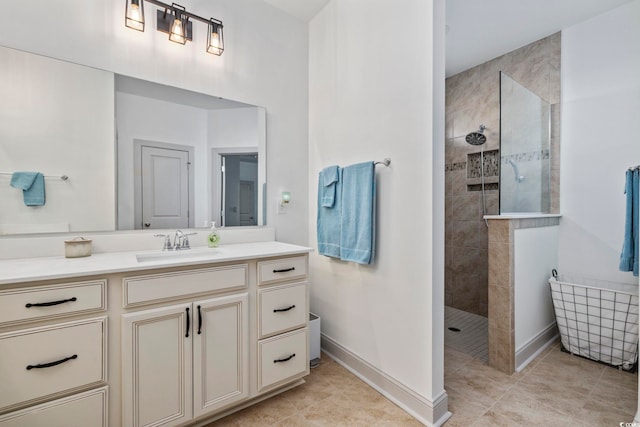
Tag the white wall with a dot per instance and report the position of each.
(600, 105)
(233, 127)
(371, 74)
(50, 125)
(535, 255)
(264, 63)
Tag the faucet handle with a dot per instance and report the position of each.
(167, 246)
(185, 240)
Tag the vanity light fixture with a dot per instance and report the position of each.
(176, 21)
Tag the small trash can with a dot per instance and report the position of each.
(314, 340)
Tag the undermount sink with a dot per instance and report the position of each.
(172, 255)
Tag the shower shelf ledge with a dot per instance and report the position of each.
(487, 180)
(522, 215)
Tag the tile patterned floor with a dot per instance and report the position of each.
(556, 389)
(332, 396)
(471, 336)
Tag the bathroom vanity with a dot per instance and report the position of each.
(151, 338)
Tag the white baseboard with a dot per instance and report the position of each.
(535, 346)
(430, 413)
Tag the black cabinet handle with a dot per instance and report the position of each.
(199, 321)
(284, 270)
(188, 325)
(279, 310)
(47, 304)
(285, 359)
(50, 364)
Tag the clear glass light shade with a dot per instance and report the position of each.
(134, 17)
(215, 41)
(178, 31)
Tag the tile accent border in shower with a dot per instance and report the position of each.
(526, 157)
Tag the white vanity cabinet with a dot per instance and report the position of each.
(183, 361)
(283, 307)
(51, 351)
(189, 340)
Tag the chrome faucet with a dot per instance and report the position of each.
(180, 241)
(177, 240)
(166, 246)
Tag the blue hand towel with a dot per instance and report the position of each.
(630, 254)
(328, 226)
(330, 178)
(357, 236)
(32, 186)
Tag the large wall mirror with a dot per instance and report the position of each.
(136, 154)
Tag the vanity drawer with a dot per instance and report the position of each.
(283, 269)
(282, 358)
(40, 362)
(52, 301)
(87, 409)
(142, 290)
(282, 308)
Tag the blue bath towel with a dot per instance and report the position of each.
(328, 226)
(330, 178)
(32, 186)
(357, 236)
(630, 253)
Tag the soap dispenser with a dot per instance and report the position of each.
(214, 237)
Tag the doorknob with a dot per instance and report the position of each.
(147, 224)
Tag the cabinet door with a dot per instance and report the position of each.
(220, 346)
(157, 366)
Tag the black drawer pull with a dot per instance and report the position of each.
(50, 364)
(47, 304)
(284, 270)
(188, 326)
(285, 359)
(279, 310)
(199, 321)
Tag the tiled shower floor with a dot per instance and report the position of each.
(472, 337)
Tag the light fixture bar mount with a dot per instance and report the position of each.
(175, 21)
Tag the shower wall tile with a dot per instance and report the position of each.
(459, 182)
(465, 259)
(530, 67)
(493, 203)
(469, 233)
(500, 303)
(467, 207)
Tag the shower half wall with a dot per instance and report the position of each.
(473, 99)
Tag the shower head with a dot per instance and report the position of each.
(477, 138)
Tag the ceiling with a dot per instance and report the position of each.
(478, 31)
(482, 30)
(301, 9)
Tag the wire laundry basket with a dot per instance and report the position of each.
(596, 322)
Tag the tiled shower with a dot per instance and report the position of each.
(472, 100)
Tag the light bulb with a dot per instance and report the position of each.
(177, 32)
(135, 15)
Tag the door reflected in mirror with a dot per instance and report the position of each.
(172, 147)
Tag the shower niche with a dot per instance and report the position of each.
(483, 166)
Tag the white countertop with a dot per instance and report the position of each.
(47, 268)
